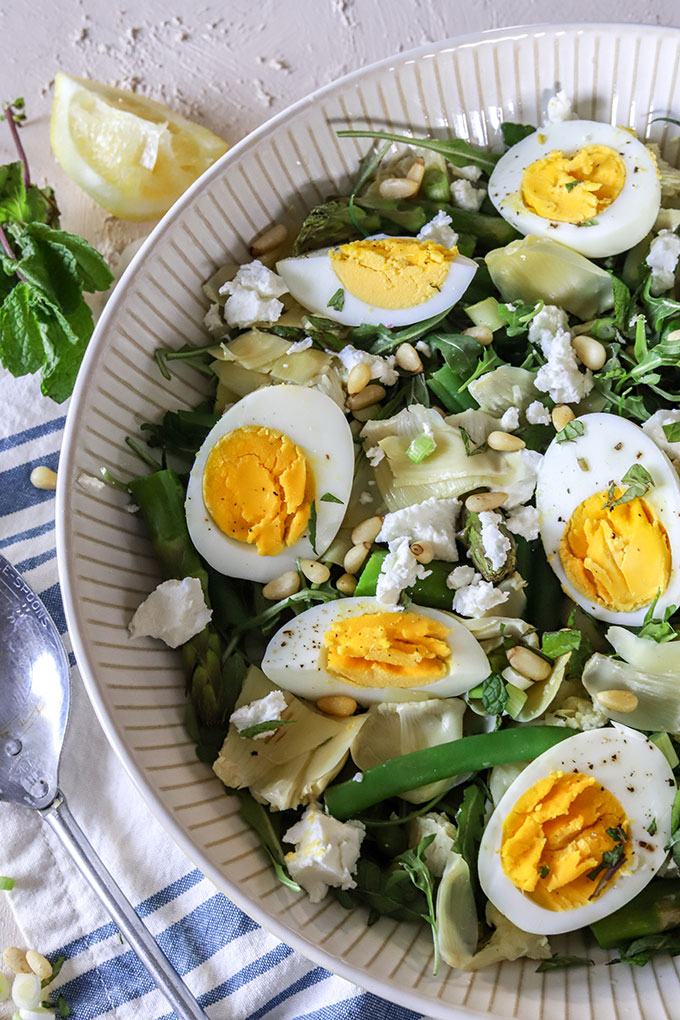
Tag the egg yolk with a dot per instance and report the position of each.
(392, 272)
(619, 557)
(388, 650)
(258, 488)
(573, 189)
(554, 838)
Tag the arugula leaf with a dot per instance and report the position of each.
(337, 301)
(455, 150)
(6, 884)
(513, 133)
(622, 303)
(562, 963)
(63, 1007)
(312, 526)
(672, 431)
(571, 431)
(329, 498)
(659, 630)
(638, 481)
(558, 642)
(494, 695)
(262, 822)
(263, 727)
(517, 317)
(640, 951)
(415, 867)
(470, 827)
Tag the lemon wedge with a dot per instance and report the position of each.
(133, 156)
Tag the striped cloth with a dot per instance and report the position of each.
(236, 969)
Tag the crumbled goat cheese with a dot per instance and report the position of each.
(175, 612)
(434, 521)
(560, 108)
(476, 599)
(326, 852)
(662, 259)
(510, 419)
(522, 489)
(381, 368)
(253, 295)
(467, 173)
(400, 570)
(91, 484)
(460, 577)
(375, 454)
(560, 376)
(440, 231)
(523, 521)
(667, 219)
(424, 348)
(467, 197)
(300, 345)
(437, 854)
(496, 545)
(213, 321)
(365, 497)
(577, 714)
(267, 709)
(653, 428)
(537, 413)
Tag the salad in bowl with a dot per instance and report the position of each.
(421, 541)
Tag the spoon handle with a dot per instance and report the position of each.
(60, 819)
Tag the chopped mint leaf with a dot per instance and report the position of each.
(638, 481)
(312, 526)
(658, 629)
(513, 133)
(338, 300)
(558, 642)
(263, 727)
(672, 431)
(328, 497)
(571, 431)
(652, 827)
(572, 184)
(494, 695)
(544, 870)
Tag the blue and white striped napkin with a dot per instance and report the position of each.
(236, 969)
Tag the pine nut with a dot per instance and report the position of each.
(504, 442)
(589, 351)
(398, 187)
(16, 960)
(482, 334)
(618, 701)
(480, 501)
(339, 705)
(371, 394)
(355, 557)
(416, 171)
(346, 584)
(561, 415)
(528, 663)
(440, 411)
(367, 531)
(365, 414)
(359, 377)
(270, 240)
(282, 586)
(422, 551)
(317, 573)
(407, 357)
(39, 964)
(43, 478)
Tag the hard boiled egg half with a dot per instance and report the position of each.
(373, 653)
(612, 553)
(270, 482)
(390, 280)
(591, 186)
(541, 859)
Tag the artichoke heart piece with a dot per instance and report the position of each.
(658, 694)
(294, 765)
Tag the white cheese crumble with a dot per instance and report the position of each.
(577, 714)
(496, 544)
(365, 496)
(267, 709)
(300, 345)
(253, 295)
(175, 612)
(400, 570)
(653, 428)
(523, 521)
(467, 173)
(662, 259)
(460, 577)
(440, 231)
(375, 454)
(467, 197)
(510, 419)
(326, 852)
(91, 484)
(523, 488)
(424, 348)
(560, 376)
(667, 219)
(560, 108)
(537, 413)
(476, 599)
(434, 521)
(437, 854)
(381, 368)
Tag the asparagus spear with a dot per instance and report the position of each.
(472, 538)
(655, 909)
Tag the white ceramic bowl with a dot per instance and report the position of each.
(625, 74)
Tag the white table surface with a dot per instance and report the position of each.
(230, 65)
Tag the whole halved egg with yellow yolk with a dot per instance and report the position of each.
(580, 832)
(270, 482)
(390, 280)
(608, 501)
(591, 186)
(372, 652)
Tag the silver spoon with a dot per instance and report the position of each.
(34, 704)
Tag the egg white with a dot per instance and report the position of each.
(620, 226)
(316, 424)
(636, 772)
(295, 656)
(312, 281)
(608, 446)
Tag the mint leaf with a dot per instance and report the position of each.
(263, 727)
(518, 317)
(558, 642)
(22, 348)
(513, 133)
(639, 482)
(338, 300)
(16, 204)
(328, 497)
(65, 338)
(49, 268)
(659, 630)
(672, 431)
(494, 695)
(92, 270)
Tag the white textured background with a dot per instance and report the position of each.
(230, 65)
